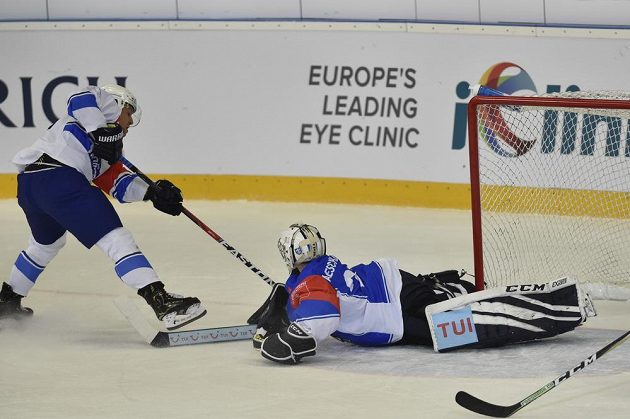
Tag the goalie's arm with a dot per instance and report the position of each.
(313, 309)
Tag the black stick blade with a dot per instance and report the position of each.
(474, 404)
(161, 340)
(470, 402)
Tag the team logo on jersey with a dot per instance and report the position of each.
(508, 78)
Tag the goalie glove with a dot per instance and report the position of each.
(272, 315)
(107, 142)
(165, 196)
(289, 346)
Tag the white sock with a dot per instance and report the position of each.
(131, 266)
(31, 262)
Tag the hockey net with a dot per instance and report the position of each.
(550, 187)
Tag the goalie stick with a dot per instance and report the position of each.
(238, 255)
(161, 339)
(474, 404)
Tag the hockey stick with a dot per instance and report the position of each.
(474, 404)
(204, 227)
(161, 339)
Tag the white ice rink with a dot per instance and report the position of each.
(79, 358)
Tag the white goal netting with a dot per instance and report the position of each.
(553, 188)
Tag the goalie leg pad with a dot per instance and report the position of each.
(290, 346)
(500, 316)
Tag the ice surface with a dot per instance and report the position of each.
(78, 357)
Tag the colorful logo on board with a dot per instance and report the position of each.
(507, 78)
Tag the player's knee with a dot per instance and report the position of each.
(118, 243)
(44, 253)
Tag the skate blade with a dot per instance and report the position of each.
(173, 321)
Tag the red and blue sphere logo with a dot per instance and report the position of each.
(508, 78)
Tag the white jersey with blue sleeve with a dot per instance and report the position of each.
(68, 142)
(359, 304)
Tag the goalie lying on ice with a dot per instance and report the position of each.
(377, 304)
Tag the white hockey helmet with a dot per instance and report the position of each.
(124, 97)
(300, 243)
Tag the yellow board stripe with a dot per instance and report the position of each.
(556, 201)
(386, 192)
(8, 186)
(324, 190)
(307, 189)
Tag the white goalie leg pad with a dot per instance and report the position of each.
(509, 314)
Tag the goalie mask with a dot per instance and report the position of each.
(124, 98)
(300, 243)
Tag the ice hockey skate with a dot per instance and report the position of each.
(11, 304)
(173, 309)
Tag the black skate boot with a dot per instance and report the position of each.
(174, 310)
(11, 304)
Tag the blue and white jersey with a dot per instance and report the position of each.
(359, 304)
(68, 141)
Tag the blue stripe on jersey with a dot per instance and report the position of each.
(374, 281)
(28, 267)
(131, 262)
(121, 184)
(78, 133)
(80, 101)
(367, 339)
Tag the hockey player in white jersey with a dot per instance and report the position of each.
(56, 191)
(378, 304)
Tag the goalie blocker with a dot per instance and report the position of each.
(510, 314)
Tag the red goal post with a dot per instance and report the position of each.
(550, 187)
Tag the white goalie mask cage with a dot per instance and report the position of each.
(124, 97)
(300, 243)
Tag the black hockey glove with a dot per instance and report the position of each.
(108, 142)
(272, 316)
(290, 346)
(165, 196)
